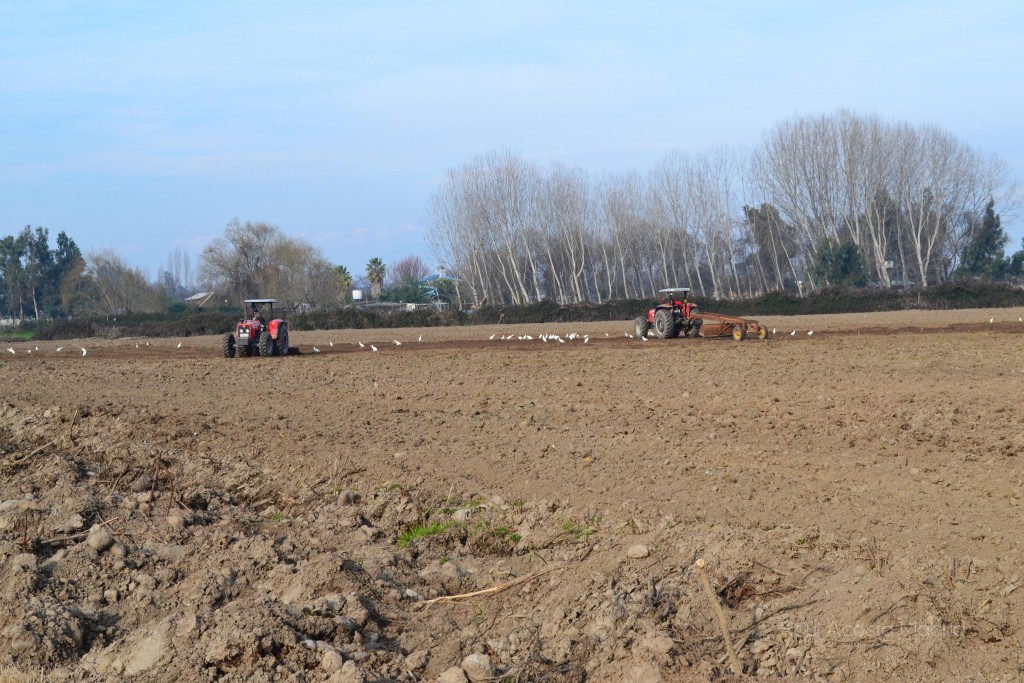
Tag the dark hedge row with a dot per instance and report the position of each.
(365, 318)
(950, 295)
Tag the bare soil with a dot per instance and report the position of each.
(168, 514)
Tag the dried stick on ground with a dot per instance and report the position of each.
(733, 661)
(492, 590)
(61, 539)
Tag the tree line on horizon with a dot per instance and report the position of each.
(830, 200)
(250, 260)
(840, 200)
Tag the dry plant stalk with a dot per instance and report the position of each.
(12, 675)
(490, 591)
(82, 534)
(733, 661)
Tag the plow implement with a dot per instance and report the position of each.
(718, 325)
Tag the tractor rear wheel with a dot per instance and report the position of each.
(281, 345)
(227, 345)
(665, 324)
(739, 332)
(642, 327)
(266, 344)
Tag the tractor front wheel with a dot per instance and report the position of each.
(266, 344)
(227, 345)
(281, 345)
(739, 332)
(665, 324)
(762, 332)
(642, 326)
(694, 330)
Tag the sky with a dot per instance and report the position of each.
(147, 126)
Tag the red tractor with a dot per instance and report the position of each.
(675, 315)
(255, 335)
(671, 317)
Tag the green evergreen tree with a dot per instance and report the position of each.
(841, 265)
(983, 257)
(1016, 269)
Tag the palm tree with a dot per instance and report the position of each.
(375, 271)
(343, 281)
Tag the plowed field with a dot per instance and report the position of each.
(855, 493)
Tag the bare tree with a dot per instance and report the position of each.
(113, 287)
(409, 269)
(240, 261)
(178, 277)
(256, 260)
(724, 223)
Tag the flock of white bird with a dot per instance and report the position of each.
(10, 350)
(546, 338)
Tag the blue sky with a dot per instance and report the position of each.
(144, 126)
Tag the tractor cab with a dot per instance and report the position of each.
(254, 307)
(677, 299)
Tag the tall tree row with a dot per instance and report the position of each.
(900, 201)
(37, 280)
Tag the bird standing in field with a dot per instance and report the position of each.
(316, 350)
(11, 350)
(83, 351)
(179, 345)
(372, 347)
(397, 343)
(362, 345)
(793, 333)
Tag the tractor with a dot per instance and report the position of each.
(675, 315)
(254, 335)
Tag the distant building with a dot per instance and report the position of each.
(199, 300)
